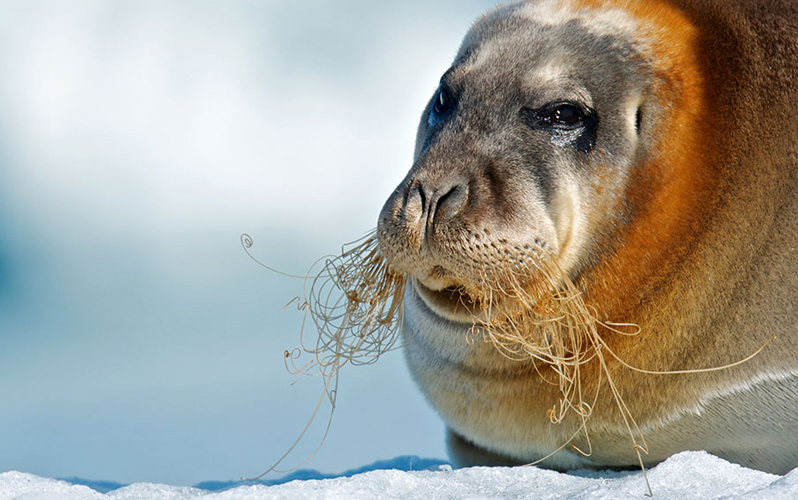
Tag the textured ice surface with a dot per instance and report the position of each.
(688, 475)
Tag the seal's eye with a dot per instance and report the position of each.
(567, 123)
(442, 105)
(565, 115)
(443, 101)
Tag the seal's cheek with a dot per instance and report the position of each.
(566, 209)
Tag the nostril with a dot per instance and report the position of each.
(414, 204)
(451, 202)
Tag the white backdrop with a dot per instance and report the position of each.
(137, 141)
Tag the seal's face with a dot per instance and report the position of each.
(523, 152)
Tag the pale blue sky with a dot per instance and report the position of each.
(137, 141)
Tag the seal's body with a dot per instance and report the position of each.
(649, 150)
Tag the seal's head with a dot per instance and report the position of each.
(550, 115)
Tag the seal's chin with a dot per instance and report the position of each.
(451, 303)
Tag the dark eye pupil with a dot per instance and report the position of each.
(441, 102)
(566, 115)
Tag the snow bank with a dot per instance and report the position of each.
(689, 475)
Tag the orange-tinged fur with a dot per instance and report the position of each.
(673, 187)
(668, 198)
(672, 269)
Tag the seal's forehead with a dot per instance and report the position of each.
(561, 26)
(599, 19)
(550, 41)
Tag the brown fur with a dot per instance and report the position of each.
(697, 247)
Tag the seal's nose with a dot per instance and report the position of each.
(425, 213)
(434, 204)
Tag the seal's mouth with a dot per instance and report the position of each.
(533, 292)
(452, 303)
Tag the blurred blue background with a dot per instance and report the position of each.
(138, 140)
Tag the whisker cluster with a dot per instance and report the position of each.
(355, 304)
(539, 314)
(529, 310)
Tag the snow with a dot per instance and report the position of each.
(688, 475)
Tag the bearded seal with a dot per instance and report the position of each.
(648, 150)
